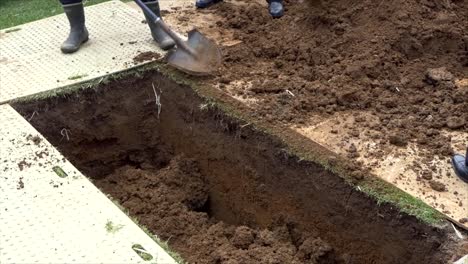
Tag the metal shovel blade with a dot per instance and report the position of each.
(203, 58)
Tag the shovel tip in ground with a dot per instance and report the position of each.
(206, 57)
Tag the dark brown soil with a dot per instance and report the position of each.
(174, 200)
(221, 191)
(397, 60)
(146, 56)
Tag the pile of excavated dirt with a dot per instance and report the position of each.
(405, 62)
(173, 201)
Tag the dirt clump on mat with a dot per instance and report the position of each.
(171, 201)
(146, 56)
(398, 60)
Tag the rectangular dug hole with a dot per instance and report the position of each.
(217, 189)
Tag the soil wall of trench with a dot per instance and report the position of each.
(217, 189)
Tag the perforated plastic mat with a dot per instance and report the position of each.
(31, 60)
(51, 213)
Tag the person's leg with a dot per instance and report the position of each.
(164, 41)
(275, 7)
(205, 3)
(460, 165)
(78, 33)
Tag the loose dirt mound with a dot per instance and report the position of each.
(399, 60)
(172, 201)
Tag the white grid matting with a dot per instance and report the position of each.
(45, 218)
(31, 60)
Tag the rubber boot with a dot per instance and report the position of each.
(275, 7)
(164, 41)
(78, 32)
(460, 165)
(205, 3)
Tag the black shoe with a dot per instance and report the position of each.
(275, 7)
(460, 165)
(78, 32)
(205, 3)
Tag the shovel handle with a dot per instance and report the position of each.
(157, 20)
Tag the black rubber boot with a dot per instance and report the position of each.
(460, 165)
(78, 32)
(164, 41)
(275, 7)
(205, 3)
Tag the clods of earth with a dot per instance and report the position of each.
(400, 68)
(217, 189)
(403, 62)
(220, 191)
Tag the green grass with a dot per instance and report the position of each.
(17, 12)
(384, 192)
(78, 76)
(112, 228)
(12, 30)
(142, 252)
(59, 171)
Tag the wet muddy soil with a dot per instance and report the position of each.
(217, 189)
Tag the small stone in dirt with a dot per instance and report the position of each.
(455, 122)
(398, 140)
(436, 75)
(437, 186)
(243, 237)
(146, 56)
(463, 220)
